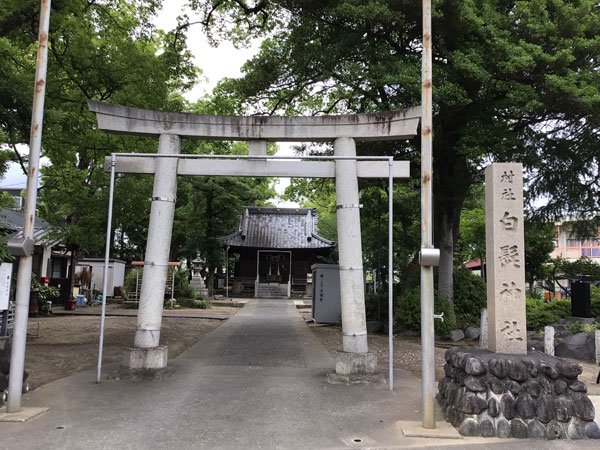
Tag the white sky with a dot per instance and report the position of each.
(216, 64)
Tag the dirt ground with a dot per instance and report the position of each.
(61, 345)
(407, 350)
(58, 346)
(407, 354)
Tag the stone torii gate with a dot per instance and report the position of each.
(168, 164)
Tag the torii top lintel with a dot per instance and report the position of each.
(391, 125)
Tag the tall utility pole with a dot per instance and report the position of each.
(17, 356)
(427, 250)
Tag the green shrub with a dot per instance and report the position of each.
(470, 297)
(182, 283)
(130, 305)
(580, 327)
(407, 313)
(201, 303)
(185, 290)
(131, 280)
(375, 303)
(595, 297)
(193, 303)
(541, 313)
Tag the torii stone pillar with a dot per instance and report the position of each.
(147, 353)
(354, 358)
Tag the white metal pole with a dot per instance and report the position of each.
(427, 332)
(173, 287)
(17, 356)
(391, 275)
(257, 281)
(113, 165)
(375, 282)
(227, 272)
(290, 278)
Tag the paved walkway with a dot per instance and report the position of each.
(258, 381)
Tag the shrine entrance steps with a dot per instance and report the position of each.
(272, 290)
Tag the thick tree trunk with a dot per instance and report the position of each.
(446, 246)
(209, 232)
(210, 281)
(452, 180)
(531, 280)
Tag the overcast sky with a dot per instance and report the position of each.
(216, 63)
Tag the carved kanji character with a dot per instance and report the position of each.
(508, 194)
(507, 177)
(511, 331)
(509, 222)
(509, 254)
(510, 292)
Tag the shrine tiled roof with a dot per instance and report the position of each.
(277, 228)
(12, 221)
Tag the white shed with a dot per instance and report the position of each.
(116, 273)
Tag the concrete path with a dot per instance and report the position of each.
(258, 381)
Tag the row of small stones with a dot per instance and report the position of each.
(489, 405)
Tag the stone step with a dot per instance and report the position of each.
(270, 291)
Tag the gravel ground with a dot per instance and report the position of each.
(407, 350)
(407, 353)
(58, 346)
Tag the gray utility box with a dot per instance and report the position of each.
(326, 303)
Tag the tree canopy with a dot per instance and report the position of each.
(513, 81)
(111, 51)
(97, 50)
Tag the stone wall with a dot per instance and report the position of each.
(522, 396)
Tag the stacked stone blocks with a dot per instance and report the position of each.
(499, 395)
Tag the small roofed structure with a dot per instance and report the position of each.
(51, 258)
(276, 248)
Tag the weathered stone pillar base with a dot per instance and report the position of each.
(347, 363)
(145, 358)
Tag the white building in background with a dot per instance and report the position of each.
(572, 247)
(93, 282)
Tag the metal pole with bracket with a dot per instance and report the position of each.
(427, 258)
(113, 164)
(25, 247)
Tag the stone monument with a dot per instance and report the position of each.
(500, 390)
(504, 236)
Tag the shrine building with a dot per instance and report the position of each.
(276, 248)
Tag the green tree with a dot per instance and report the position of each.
(539, 243)
(107, 51)
(320, 194)
(562, 268)
(539, 237)
(471, 238)
(513, 81)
